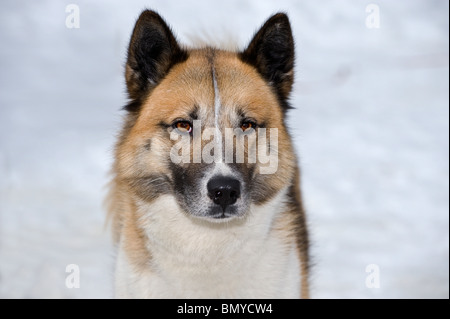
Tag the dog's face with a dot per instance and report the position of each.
(207, 126)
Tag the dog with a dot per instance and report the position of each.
(189, 219)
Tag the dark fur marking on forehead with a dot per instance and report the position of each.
(210, 56)
(148, 144)
(194, 113)
(240, 112)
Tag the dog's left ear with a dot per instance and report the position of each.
(272, 53)
(153, 50)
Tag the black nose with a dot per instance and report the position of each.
(224, 191)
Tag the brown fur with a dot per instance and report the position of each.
(141, 156)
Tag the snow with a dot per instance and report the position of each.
(371, 125)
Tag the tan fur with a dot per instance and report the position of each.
(190, 83)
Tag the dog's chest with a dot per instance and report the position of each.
(264, 275)
(190, 260)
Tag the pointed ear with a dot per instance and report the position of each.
(153, 50)
(272, 53)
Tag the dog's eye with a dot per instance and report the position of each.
(183, 126)
(248, 125)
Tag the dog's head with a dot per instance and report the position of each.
(207, 125)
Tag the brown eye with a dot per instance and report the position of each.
(247, 125)
(183, 126)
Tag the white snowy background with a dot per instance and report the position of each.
(371, 125)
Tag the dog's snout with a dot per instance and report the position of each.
(224, 191)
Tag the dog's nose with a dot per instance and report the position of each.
(224, 191)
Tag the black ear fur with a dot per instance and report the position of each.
(272, 53)
(153, 50)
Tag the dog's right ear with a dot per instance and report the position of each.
(272, 53)
(153, 50)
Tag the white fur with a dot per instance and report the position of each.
(217, 102)
(217, 135)
(193, 258)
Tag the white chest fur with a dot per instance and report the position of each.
(192, 258)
